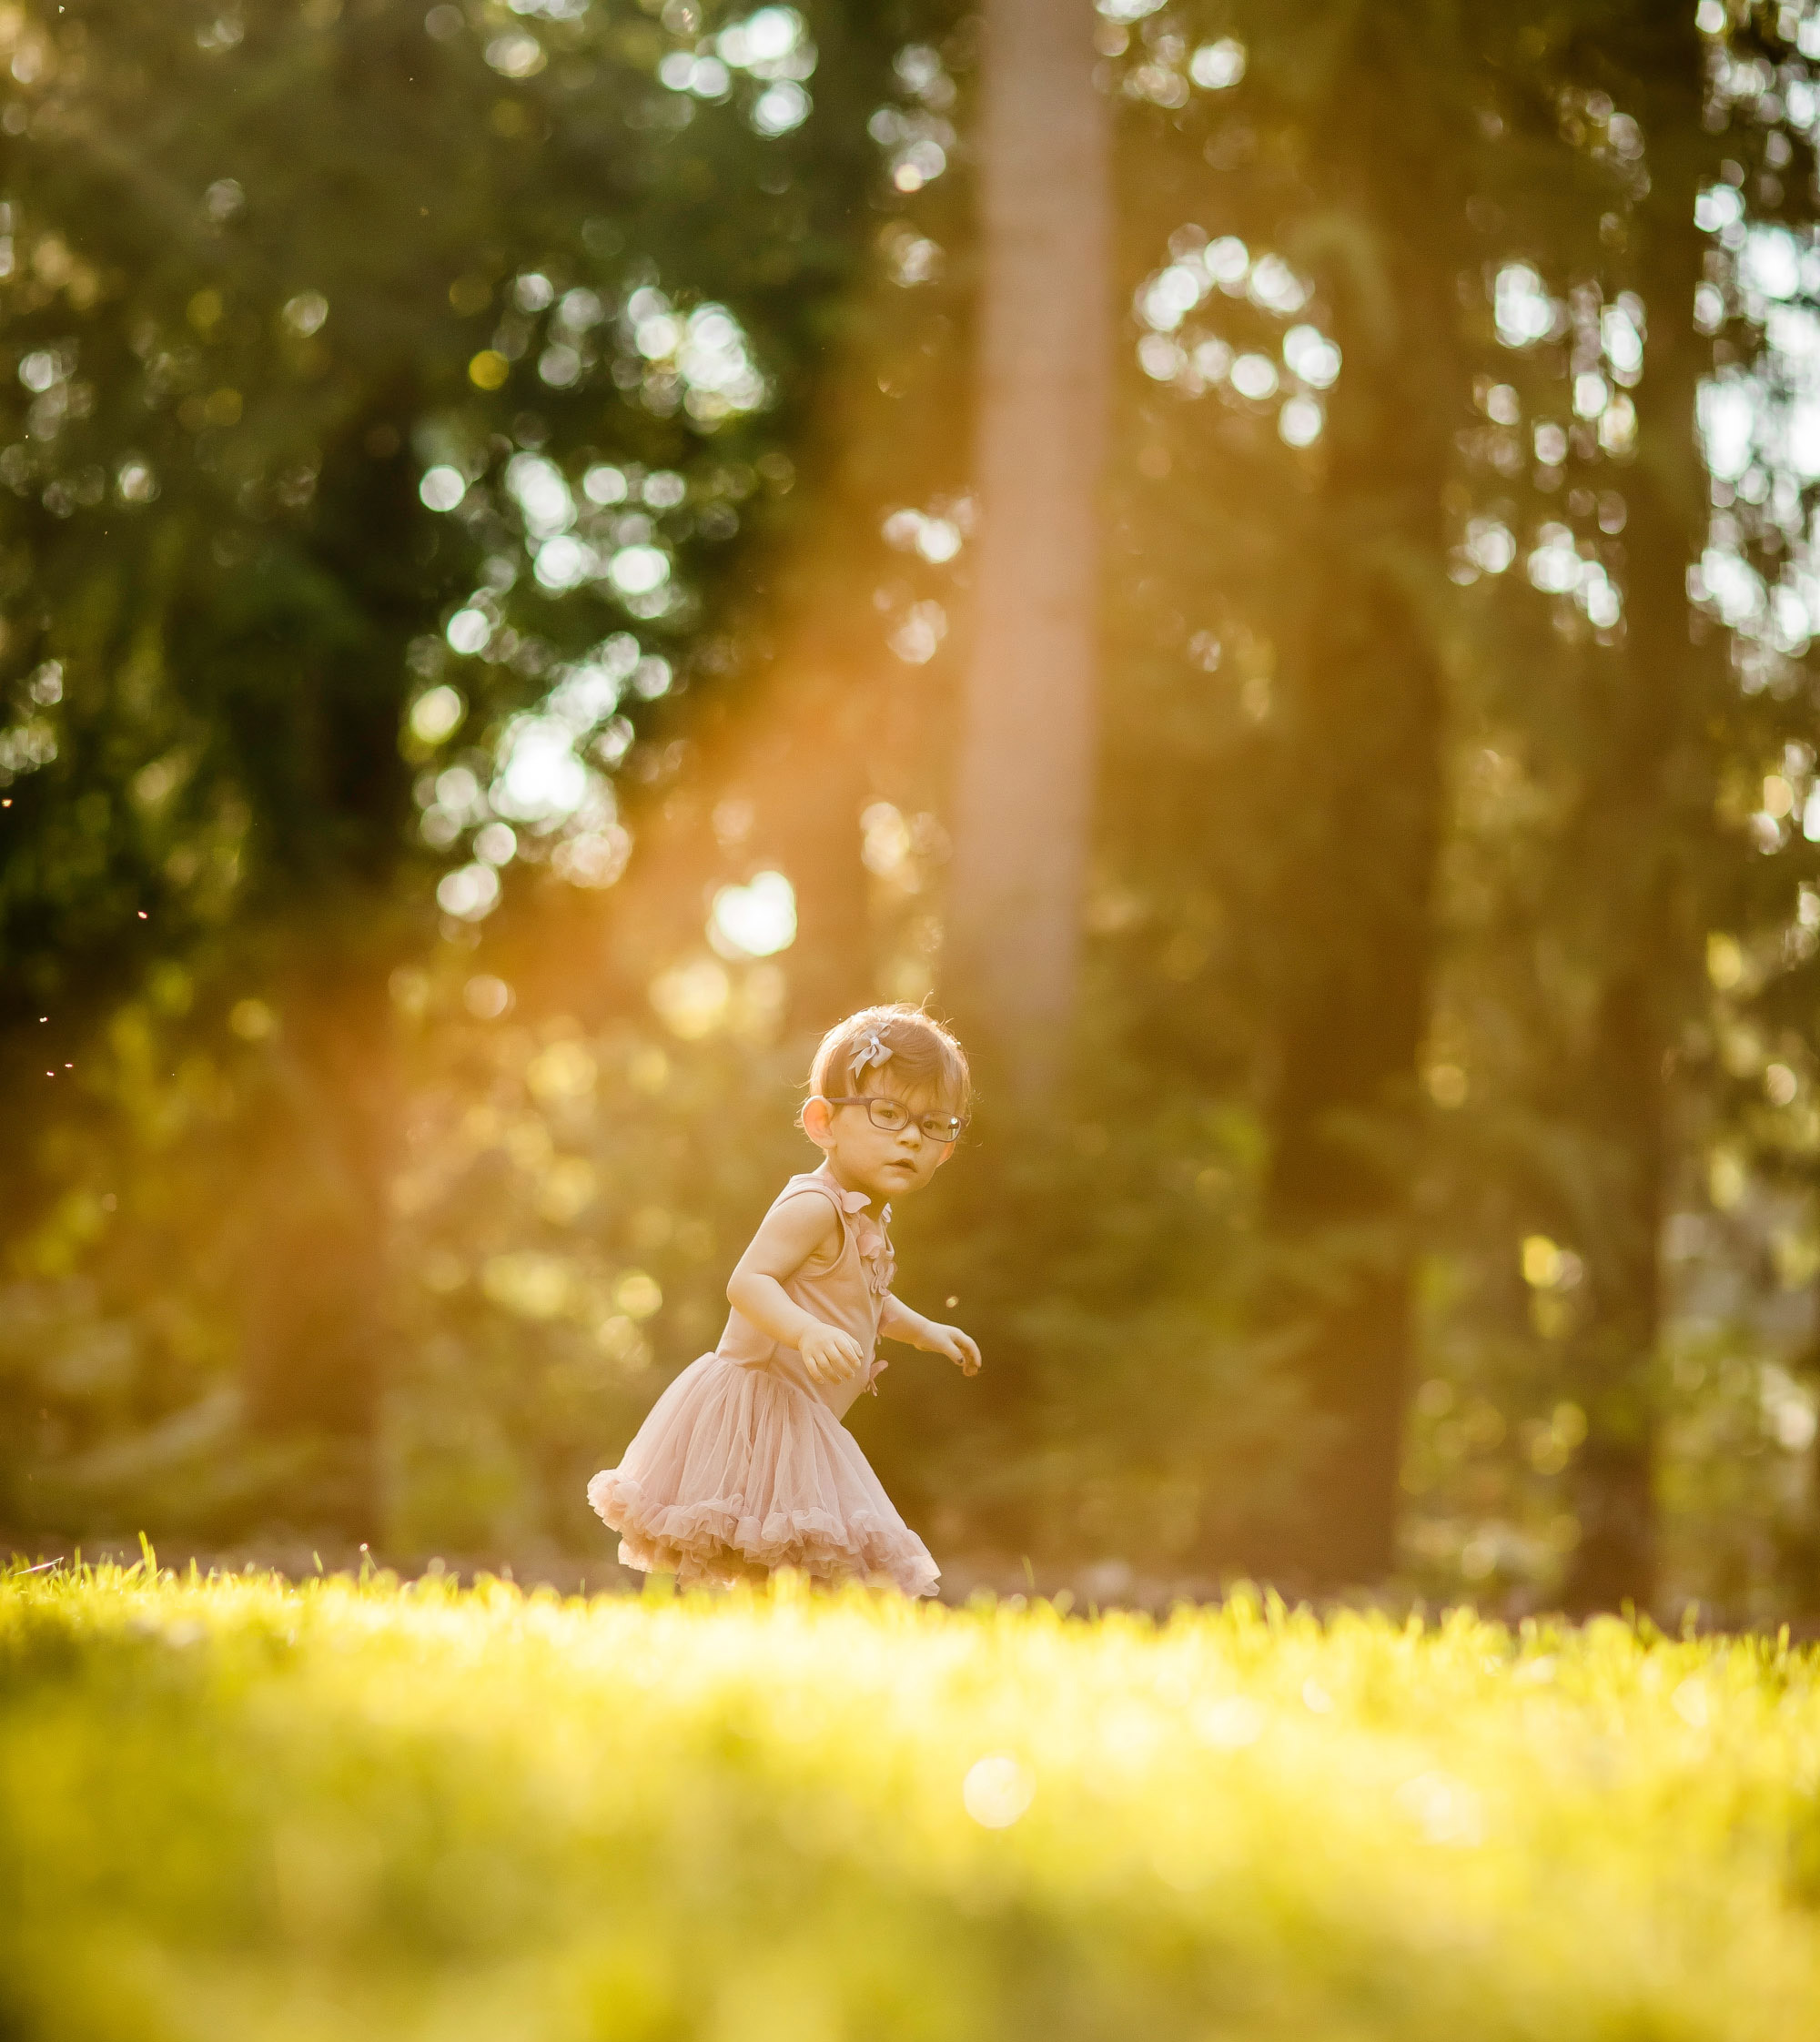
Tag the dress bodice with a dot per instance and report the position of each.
(844, 1284)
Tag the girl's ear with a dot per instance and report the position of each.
(818, 1121)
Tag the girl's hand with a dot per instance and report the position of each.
(829, 1355)
(959, 1348)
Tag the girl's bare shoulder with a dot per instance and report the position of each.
(801, 1221)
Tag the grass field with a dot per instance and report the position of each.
(241, 1809)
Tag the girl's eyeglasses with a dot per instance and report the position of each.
(892, 1117)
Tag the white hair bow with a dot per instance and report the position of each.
(872, 1052)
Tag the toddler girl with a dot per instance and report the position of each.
(744, 1464)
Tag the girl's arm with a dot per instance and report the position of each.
(899, 1322)
(790, 1234)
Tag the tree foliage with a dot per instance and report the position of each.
(479, 485)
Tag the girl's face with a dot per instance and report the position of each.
(883, 1162)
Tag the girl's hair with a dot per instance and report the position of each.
(924, 1057)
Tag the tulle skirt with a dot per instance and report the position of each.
(737, 1472)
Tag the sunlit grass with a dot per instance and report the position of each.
(238, 1808)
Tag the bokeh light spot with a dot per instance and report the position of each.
(437, 714)
(443, 488)
(997, 1790)
(756, 920)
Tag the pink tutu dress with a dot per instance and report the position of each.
(744, 1464)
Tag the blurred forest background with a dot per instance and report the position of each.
(491, 545)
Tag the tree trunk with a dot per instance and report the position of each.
(1655, 794)
(317, 1276)
(1345, 1123)
(1611, 1361)
(1361, 751)
(1023, 795)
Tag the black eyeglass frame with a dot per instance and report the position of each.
(948, 1127)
